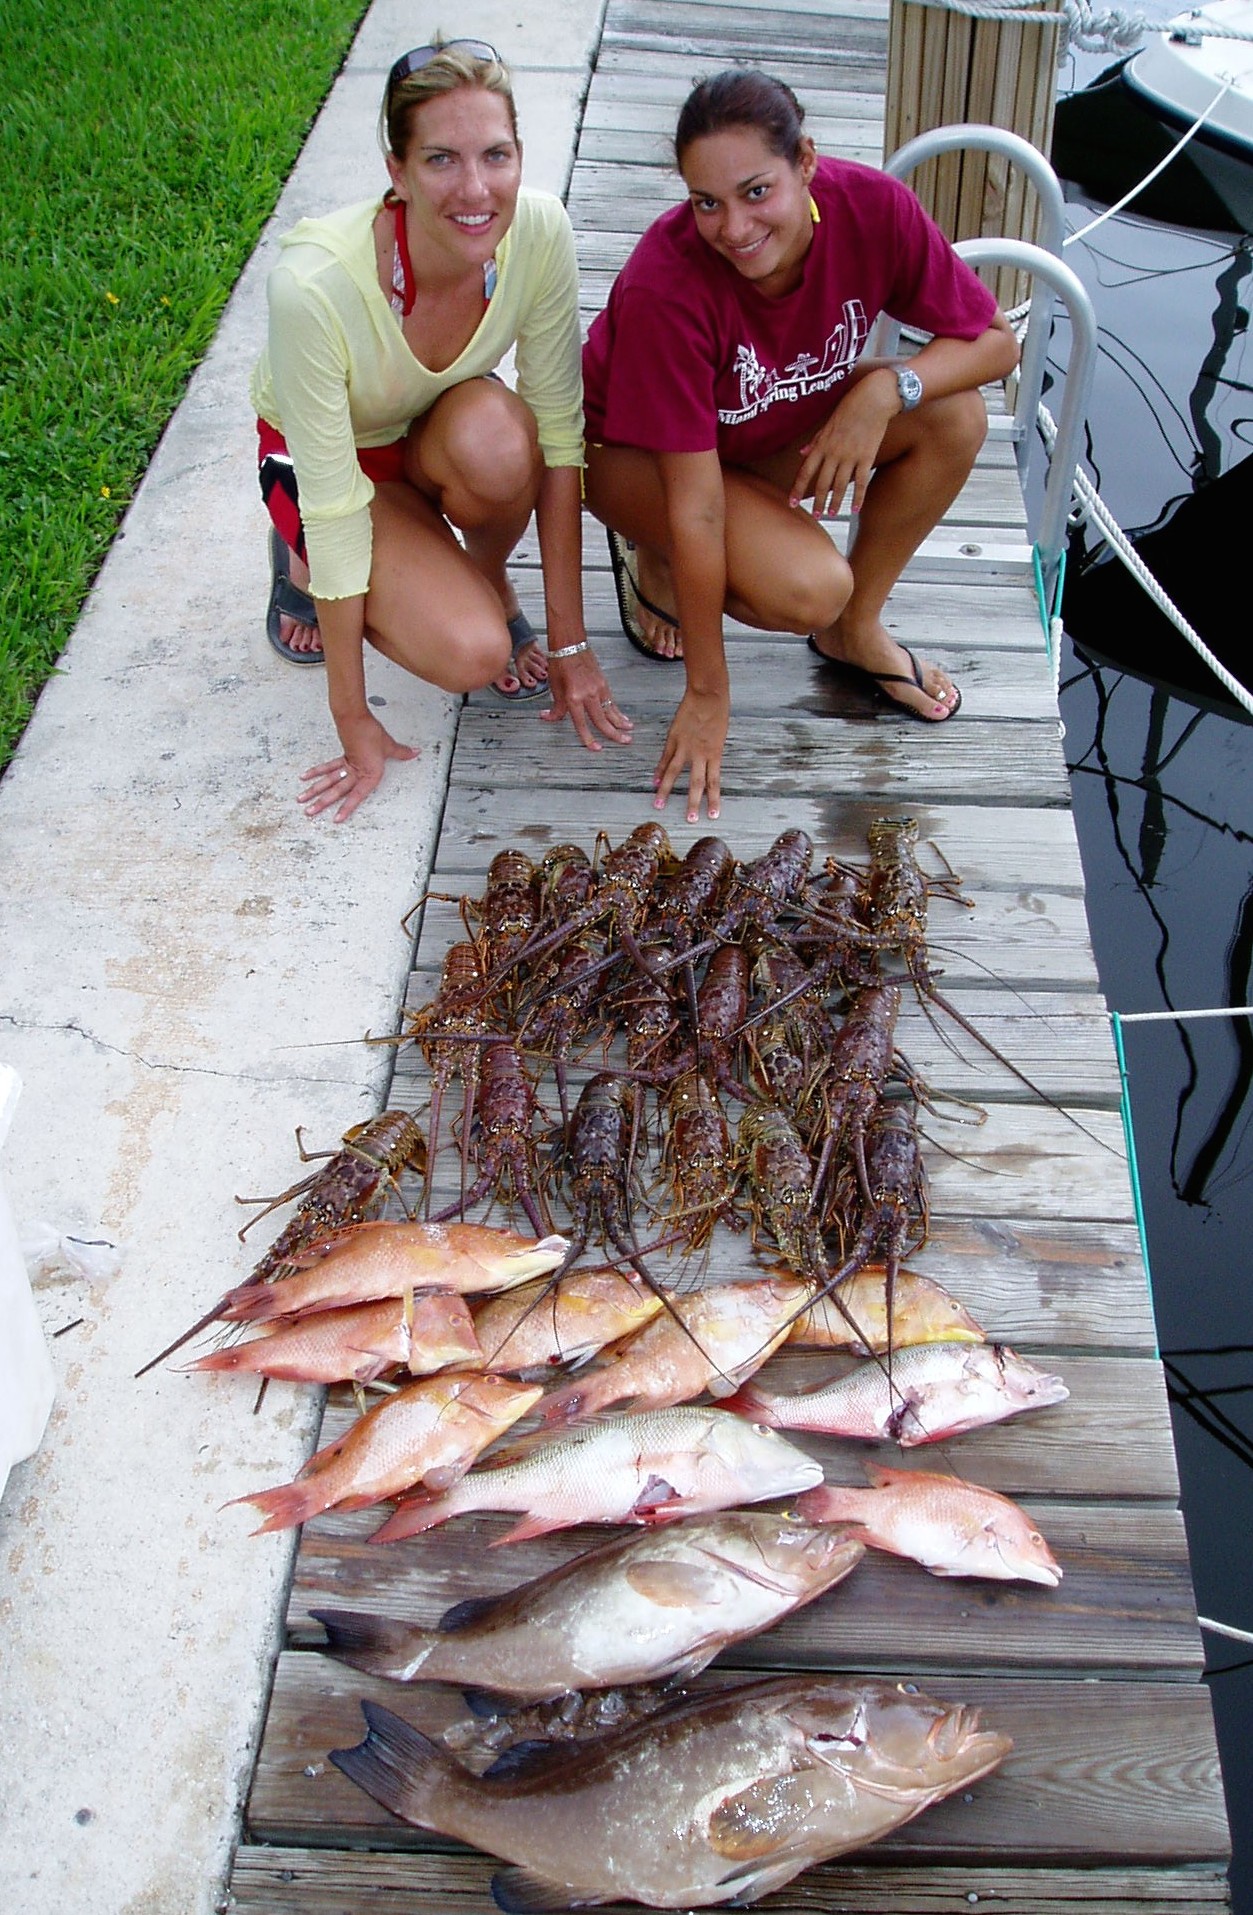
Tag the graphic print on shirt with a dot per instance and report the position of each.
(762, 386)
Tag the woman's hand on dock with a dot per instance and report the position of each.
(580, 691)
(697, 734)
(349, 779)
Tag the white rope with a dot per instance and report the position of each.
(1121, 546)
(1161, 166)
(1113, 29)
(1183, 1017)
(1225, 1629)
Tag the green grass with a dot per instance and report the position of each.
(142, 148)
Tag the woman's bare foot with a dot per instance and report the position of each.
(294, 633)
(661, 634)
(529, 665)
(896, 670)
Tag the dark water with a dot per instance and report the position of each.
(1163, 798)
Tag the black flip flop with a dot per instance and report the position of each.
(627, 587)
(288, 601)
(521, 634)
(878, 680)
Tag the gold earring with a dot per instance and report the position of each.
(814, 214)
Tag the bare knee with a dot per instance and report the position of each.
(477, 657)
(492, 448)
(960, 426)
(812, 594)
(461, 660)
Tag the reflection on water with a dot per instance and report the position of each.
(1163, 799)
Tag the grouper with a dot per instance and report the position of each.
(722, 1797)
(637, 1608)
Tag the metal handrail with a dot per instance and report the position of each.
(1045, 264)
(1052, 224)
(1050, 534)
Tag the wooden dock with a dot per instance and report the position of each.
(1112, 1797)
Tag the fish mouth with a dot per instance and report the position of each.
(956, 1738)
(1048, 1575)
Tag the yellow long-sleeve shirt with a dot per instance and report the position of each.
(337, 373)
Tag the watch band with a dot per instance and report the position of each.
(909, 386)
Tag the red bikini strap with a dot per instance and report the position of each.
(408, 291)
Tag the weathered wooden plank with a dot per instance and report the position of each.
(995, 618)
(970, 759)
(770, 676)
(1125, 1603)
(629, 103)
(1100, 1771)
(992, 848)
(782, 676)
(646, 138)
(803, 25)
(289, 1881)
(670, 75)
(738, 33)
(1050, 1166)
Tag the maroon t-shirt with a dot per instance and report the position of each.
(688, 355)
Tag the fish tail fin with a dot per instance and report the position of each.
(748, 1401)
(233, 1358)
(567, 1405)
(285, 1506)
(831, 1503)
(411, 1517)
(396, 1764)
(378, 1645)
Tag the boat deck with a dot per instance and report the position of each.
(1112, 1797)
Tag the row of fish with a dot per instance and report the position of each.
(782, 1773)
(354, 1303)
(383, 1296)
(426, 1437)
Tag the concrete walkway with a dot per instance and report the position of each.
(187, 967)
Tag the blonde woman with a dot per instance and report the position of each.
(382, 426)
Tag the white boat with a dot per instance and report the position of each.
(1188, 71)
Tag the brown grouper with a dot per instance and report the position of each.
(721, 1797)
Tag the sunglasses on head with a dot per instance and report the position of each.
(410, 63)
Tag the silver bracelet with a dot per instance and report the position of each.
(572, 651)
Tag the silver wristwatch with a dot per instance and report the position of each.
(909, 385)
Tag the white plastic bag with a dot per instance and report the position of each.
(26, 1379)
(49, 1252)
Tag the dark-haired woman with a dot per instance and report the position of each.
(724, 386)
(382, 427)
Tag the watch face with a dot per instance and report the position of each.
(909, 385)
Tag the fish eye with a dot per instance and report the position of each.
(1035, 1537)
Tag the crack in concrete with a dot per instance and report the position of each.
(183, 1070)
